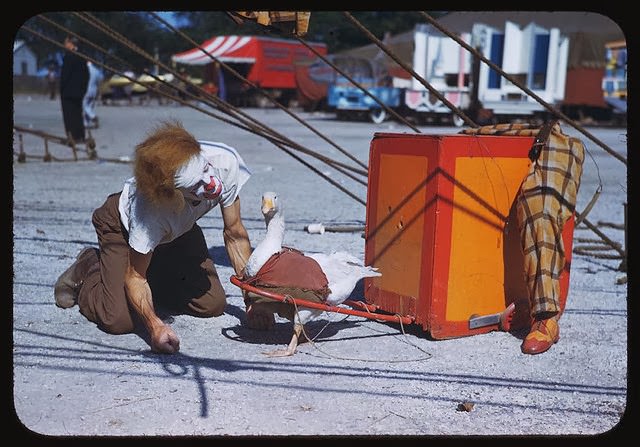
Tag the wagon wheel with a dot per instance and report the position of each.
(261, 101)
(343, 115)
(377, 115)
(457, 121)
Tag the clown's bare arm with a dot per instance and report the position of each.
(163, 339)
(236, 238)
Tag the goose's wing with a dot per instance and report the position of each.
(261, 254)
(343, 271)
(305, 314)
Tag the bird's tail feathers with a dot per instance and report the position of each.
(369, 272)
(348, 258)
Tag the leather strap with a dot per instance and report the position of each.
(541, 139)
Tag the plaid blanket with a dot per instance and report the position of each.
(545, 202)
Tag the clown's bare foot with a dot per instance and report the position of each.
(259, 317)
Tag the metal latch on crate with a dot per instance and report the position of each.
(502, 319)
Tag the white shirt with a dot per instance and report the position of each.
(95, 79)
(149, 226)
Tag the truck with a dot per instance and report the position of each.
(535, 56)
(352, 103)
(268, 63)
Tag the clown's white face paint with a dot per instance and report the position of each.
(196, 180)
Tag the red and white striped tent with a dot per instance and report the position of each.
(225, 48)
(271, 61)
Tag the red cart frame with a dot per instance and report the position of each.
(369, 310)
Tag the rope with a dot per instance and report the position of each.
(555, 112)
(600, 245)
(580, 217)
(354, 82)
(614, 245)
(228, 106)
(551, 109)
(315, 345)
(177, 99)
(222, 105)
(251, 125)
(335, 164)
(242, 78)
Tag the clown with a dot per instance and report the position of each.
(151, 251)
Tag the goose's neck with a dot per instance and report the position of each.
(275, 227)
(270, 245)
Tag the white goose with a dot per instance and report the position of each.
(272, 242)
(343, 270)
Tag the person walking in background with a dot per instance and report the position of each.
(74, 79)
(91, 97)
(182, 81)
(222, 90)
(52, 81)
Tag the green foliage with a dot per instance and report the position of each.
(333, 28)
(330, 27)
(101, 34)
(150, 35)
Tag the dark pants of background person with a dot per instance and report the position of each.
(53, 89)
(182, 276)
(72, 117)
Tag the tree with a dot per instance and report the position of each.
(141, 29)
(103, 45)
(330, 27)
(333, 28)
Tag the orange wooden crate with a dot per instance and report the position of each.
(441, 228)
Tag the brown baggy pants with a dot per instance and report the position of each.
(182, 276)
(545, 202)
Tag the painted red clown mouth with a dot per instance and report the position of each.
(213, 189)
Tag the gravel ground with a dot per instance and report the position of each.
(359, 377)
